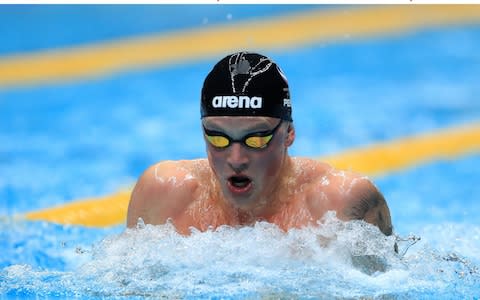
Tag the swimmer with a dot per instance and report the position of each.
(248, 175)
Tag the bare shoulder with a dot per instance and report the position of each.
(352, 195)
(310, 169)
(362, 200)
(163, 191)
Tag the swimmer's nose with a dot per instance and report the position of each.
(237, 158)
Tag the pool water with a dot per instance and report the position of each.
(91, 137)
(253, 262)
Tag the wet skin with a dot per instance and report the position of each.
(238, 186)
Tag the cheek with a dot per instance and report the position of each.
(273, 163)
(216, 160)
(270, 161)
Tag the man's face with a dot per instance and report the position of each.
(246, 175)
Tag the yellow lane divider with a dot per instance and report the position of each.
(373, 160)
(385, 158)
(291, 31)
(94, 212)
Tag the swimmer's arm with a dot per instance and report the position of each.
(160, 194)
(144, 200)
(368, 204)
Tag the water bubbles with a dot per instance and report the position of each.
(334, 259)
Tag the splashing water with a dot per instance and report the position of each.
(335, 259)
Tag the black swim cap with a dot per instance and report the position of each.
(246, 84)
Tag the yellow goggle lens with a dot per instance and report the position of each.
(258, 141)
(218, 141)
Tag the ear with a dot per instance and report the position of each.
(290, 135)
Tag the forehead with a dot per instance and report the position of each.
(239, 123)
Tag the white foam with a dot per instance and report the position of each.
(335, 259)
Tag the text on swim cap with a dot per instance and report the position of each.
(236, 102)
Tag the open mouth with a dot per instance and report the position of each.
(239, 181)
(239, 184)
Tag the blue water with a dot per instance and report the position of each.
(41, 27)
(61, 142)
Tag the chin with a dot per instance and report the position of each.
(241, 202)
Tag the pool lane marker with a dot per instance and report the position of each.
(384, 158)
(375, 160)
(279, 32)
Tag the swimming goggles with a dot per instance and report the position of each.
(256, 140)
